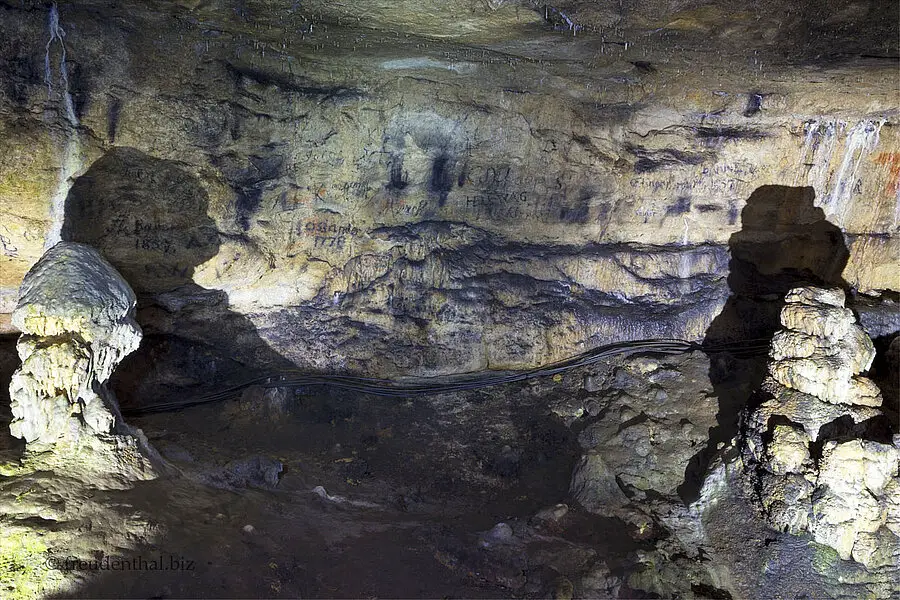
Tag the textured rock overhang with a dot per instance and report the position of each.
(392, 187)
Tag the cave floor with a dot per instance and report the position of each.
(402, 496)
(376, 498)
(298, 493)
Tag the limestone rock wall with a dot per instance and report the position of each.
(378, 187)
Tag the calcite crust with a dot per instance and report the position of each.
(76, 314)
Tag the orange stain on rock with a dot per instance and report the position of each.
(891, 160)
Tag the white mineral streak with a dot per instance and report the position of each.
(807, 151)
(71, 162)
(57, 34)
(70, 154)
(462, 68)
(684, 262)
(810, 129)
(897, 208)
(861, 141)
(835, 188)
(818, 148)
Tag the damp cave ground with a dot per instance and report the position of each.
(412, 487)
(412, 492)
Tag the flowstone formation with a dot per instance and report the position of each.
(76, 314)
(820, 446)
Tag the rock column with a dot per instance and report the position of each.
(76, 314)
(815, 442)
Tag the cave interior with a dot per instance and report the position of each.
(461, 299)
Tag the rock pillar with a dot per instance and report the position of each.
(76, 314)
(823, 460)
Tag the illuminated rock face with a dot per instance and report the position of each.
(816, 470)
(386, 187)
(76, 315)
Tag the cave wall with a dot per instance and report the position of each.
(379, 187)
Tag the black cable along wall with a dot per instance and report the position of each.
(421, 386)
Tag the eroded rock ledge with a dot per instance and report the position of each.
(391, 189)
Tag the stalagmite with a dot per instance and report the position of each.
(809, 445)
(76, 317)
